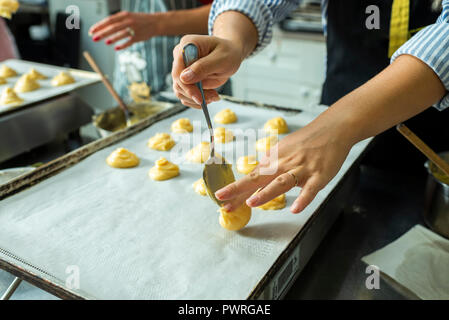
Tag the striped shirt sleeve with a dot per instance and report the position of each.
(431, 45)
(263, 13)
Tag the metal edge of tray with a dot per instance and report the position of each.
(58, 165)
(89, 75)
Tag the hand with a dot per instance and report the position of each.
(219, 60)
(313, 154)
(115, 28)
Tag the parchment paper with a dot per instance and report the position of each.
(134, 238)
(419, 261)
(46, 91)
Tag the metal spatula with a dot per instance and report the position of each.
(217, 173)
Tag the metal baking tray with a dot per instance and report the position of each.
(46, 91)
(275, 266)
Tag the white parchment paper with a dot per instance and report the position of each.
(133, 238)
(419, 261)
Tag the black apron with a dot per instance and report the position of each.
(355, 54)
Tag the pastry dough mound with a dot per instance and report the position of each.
(163, 170)
(225, 116)
(3, 80)
(8, 8)
(26, 84)
(62, 79)
(9, 96)
(7, 72)
(222, 135)
(200, 187)
(36, 75)
(277, 203)
(235, 220)
(266, 143)
(182, 126)
(276, 126)
(246, 164)
(200, 153)
(122, 158)
(161, 142)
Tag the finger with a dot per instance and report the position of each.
(247, 185)
(201, 69)
(308, 193)
(112, 29)
(278, 186)
(108, 21)
(178, 66)
(118, 36)
(125, 45)
(187, 101)
(236, 203)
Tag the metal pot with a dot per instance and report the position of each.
(436, 212)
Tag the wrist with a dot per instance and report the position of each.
(239, 29)
(158, 23)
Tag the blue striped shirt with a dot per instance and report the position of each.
(430, 45)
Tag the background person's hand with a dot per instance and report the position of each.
(219, 60)
(116, 28)
(313, 155)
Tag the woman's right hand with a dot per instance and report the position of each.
(219, 60)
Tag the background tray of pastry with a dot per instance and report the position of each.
(129, 237)
(46, 90)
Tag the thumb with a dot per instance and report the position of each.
(199, 70)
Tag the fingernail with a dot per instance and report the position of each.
(187, 75)
(96, 38)
(221, 194)
(252, 201)
(197, 101)
(117, 48)
(108, 42)
(228, 207)
(294, 208)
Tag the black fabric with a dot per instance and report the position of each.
(355, 54)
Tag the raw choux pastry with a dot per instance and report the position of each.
(266, 143)
(122, 158)
(26, 84)
(163, 170)
(36, 75)
(182, 126)
(200, 153)
(225, 116)
(277, 203)
(276, 126)
(9, 96)
(247, 164)
(161, 142)
(7, 72)
(62, 79)
(222, 135)
(8, 8)
(236, 219)
(200, 187)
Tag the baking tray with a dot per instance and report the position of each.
(46, 91)
(204, 262)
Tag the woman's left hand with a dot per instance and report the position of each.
(308, 158)
(132, 25)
